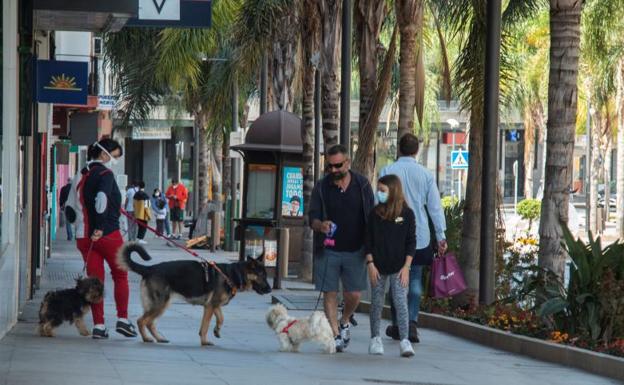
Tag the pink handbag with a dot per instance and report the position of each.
(446, 277)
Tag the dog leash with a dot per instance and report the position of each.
(86, 262)
(158, 234)
(204, 261)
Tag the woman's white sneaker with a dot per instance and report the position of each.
(406, 348)
(376, 346)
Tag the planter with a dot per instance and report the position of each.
(597, 363)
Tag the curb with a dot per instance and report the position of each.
(593, 362)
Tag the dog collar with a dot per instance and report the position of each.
(291, 323)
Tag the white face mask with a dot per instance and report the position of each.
(111, 161)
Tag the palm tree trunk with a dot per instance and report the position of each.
(534, 121)
(203, 163)
(369, 15)
(620, 149)
(607, 177)
(226, 164)
(331, 13)
(471, 226)
(284, 57)
(217, 176)
(311, 31)
(595, 172)
(410, 21)
(565, 32)
(364, 161)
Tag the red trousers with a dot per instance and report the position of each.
(103, 249)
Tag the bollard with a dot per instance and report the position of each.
(282, 258)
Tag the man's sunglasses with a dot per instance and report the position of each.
(335, 165)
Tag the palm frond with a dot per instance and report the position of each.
(130, 54)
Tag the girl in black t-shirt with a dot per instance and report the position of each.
(390, 246)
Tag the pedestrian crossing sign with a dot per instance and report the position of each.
(459, 160)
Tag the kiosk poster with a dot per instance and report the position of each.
(292, 192)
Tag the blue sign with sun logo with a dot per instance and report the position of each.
(62, 82)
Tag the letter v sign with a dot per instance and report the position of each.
(160, 6)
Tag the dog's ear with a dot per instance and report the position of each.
(260, 258)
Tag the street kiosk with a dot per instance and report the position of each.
(272, 215)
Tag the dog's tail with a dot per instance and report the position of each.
(318, 321)
(126, 263)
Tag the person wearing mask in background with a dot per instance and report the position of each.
(177, 195)
(62, 200)
(129, 207)
(159, 207)
(98, 237)
(142, 212)
(422, 196)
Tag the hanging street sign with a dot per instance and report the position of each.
(107, 102)
(173, 14)
(159, 9)
(62, 82)
(459, 160)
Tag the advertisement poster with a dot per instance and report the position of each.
(292, 192)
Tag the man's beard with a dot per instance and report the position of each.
(336, 176)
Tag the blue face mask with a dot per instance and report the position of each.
(382, 196)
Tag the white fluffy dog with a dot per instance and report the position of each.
(291, 331)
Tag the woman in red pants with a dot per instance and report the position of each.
(97, 230)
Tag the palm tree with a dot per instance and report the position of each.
(565, 34)
(604, 46)
(151, 65)
(409, 15)
(367, 136)
(470, 22)
(528, 94)
(310, 29)
(331, 12)
(369, 20)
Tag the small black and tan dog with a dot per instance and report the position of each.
(197, 283)
(69, 305)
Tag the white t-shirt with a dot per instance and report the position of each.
(130, 199)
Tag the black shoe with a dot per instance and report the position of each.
(125, 329)
(352, 320)
(413, 332)
(99, 334)
(392, 331)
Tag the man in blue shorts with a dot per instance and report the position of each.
(339, 209)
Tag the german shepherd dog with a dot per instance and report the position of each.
(196, 282)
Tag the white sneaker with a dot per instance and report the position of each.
(339, 344)
(406, 348)
(345, 333)
(376, 346)
(141, 241)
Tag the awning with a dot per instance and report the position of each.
(81, 15)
